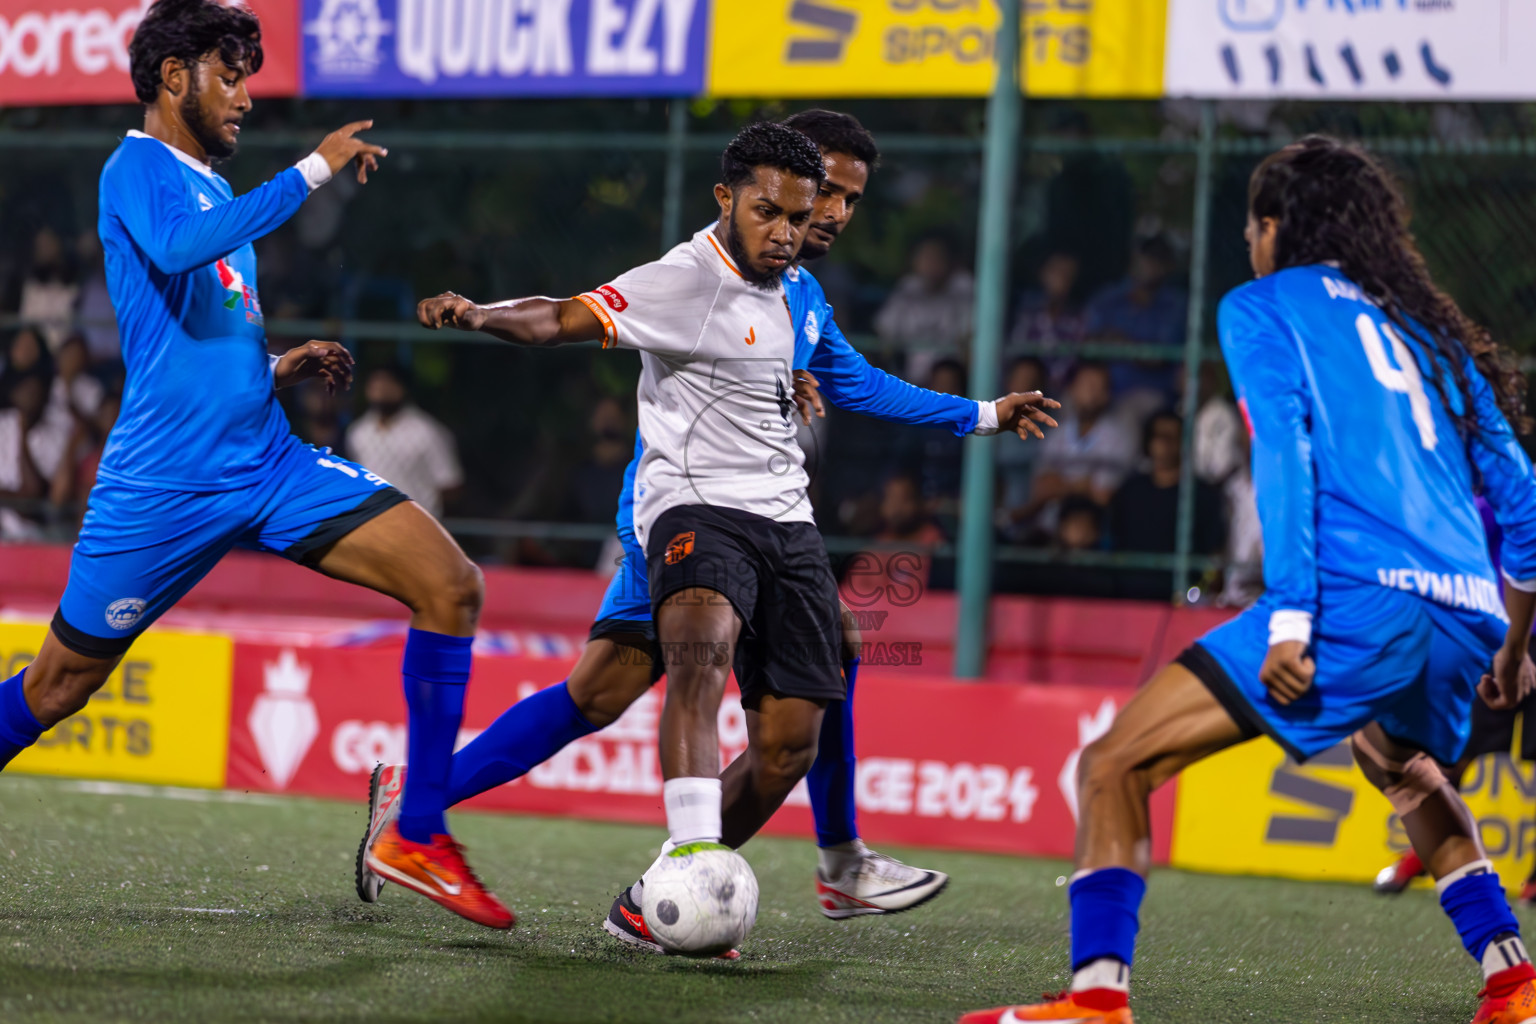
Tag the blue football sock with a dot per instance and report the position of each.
(19, 728)
(435, 671)
(830, 780)
(528, 733)
(1105, 908)
(1475, 903)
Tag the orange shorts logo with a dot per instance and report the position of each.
(679, 548)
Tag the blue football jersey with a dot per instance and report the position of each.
(198, 410)
(1358, 468)
(846, 379)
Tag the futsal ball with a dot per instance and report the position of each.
(700, 899)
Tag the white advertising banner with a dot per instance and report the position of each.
(1352, 49)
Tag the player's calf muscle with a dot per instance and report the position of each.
(60, 682)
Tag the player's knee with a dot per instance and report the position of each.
(1405, 784)
(1102, 765)
(457, 591)
(785, 762)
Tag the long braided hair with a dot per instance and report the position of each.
(1336, 203)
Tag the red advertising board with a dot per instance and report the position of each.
(945, 764)
(52, 52)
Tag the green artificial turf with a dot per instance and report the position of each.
(106, 893)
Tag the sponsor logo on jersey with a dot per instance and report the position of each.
(125, 613)
(679, 547)
(616, 302)
(239, 293)
(751, 338)
(812, 328)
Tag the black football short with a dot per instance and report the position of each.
(1493, 732)
(778, 578)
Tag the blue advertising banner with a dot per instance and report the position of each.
(487, 48)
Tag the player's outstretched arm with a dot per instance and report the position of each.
(531, 321)
(179, 235)
(850, 383)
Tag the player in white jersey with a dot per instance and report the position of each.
(738, 573)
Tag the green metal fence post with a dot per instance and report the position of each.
(672, 184)
(1194, 340)
(1004, 116)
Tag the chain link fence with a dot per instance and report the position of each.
(523, 451)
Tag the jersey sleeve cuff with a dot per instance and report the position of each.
(610, 329)
(315, 170)
(986, 419)
(1290, 624)
(1524, 586)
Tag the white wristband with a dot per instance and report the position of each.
(986, 419)
(1289, 624)
(315, 170)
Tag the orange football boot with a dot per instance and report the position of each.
(439, 872)
(1061, 1009)
(1509, 997)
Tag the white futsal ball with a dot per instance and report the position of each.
(700, 899)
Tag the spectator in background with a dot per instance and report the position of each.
(929, 313)
(403, 444)
(24, 354)
(1244, 582)
(906, 524)
(1219, 446)
(934, 456)
(98, 318)
(600, 476)
(1016, 462)
(75, 395)
(1085, 457)
(1080, 524)
(29, 453)
(1048, 316)
(73, 479)
(317, 417)
(1144, 513)
(49, 288)
(1144, 309)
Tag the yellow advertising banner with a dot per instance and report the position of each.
(162, 717)
(844, 48)
(1252, 810)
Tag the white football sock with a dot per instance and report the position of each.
(837, 861)
(693, 809)
(1502, 954)
(1105, 972)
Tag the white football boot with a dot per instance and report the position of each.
(872, 883)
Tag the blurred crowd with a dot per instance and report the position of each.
(1106, 480)
(523, 453)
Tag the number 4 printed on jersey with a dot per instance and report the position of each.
(1404, 378)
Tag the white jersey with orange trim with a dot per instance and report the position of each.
(716, 393)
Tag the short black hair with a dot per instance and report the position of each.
(401, 374)
(766, 144)
(836, 133)
(1086, 366)
(1167, 412)
(189, 30)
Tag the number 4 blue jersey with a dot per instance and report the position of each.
(1358, 468)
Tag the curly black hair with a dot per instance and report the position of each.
(766, 144)
(190, 30)
(836, 133)
(1335, 202)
